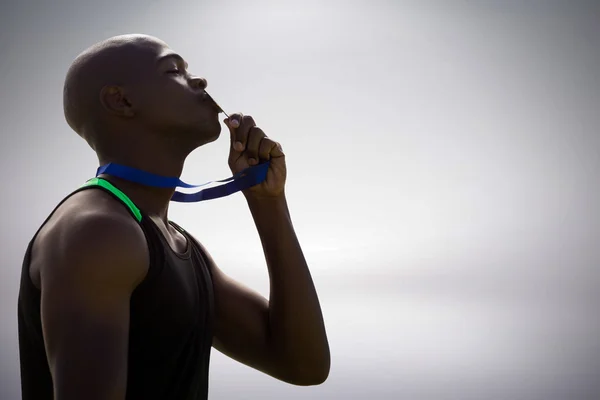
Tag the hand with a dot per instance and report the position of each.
(250, 146)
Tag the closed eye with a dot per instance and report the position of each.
(174, 71)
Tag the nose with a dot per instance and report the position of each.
(198, 83)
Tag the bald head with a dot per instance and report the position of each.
(115, 61)
(133, 90)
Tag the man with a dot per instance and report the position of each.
(117, 301)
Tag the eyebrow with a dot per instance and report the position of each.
(172, 55)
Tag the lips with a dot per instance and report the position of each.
(207, 97)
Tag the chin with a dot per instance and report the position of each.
(214, 137)
(215, 130)
(208, 133)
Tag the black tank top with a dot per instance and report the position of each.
(171, 320)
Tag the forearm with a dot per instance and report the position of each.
(297, 331)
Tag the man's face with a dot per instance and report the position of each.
(169, 99)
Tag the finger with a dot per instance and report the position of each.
(255, 136)
(233, 123)
(266, 146)
(241, 133)
(277, 151)
(234, 120)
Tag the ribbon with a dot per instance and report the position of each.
(245, 179)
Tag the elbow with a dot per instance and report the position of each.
(310, 379)
(313, 374)
(306, 366)
(315, 379)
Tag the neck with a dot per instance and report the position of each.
(154, 201)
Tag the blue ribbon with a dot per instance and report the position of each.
(245, 179)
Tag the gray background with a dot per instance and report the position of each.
(443, 178)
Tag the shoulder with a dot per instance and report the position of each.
(91, 235)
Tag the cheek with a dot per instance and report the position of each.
(171, 101)
(159, 106)
(148, 101)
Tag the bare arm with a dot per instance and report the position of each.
(89, 265)
(284, 337)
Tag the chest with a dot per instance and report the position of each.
(175, 301)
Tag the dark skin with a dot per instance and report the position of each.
(86, 289)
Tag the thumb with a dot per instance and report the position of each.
(232, 125)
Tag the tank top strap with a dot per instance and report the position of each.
(122, 197)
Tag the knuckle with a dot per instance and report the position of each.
(258, 131)
(255, 136)
(266, 144)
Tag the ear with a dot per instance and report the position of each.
(115, 101)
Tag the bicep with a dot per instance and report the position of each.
(242, 316)
(86, 284)
(242, 322)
